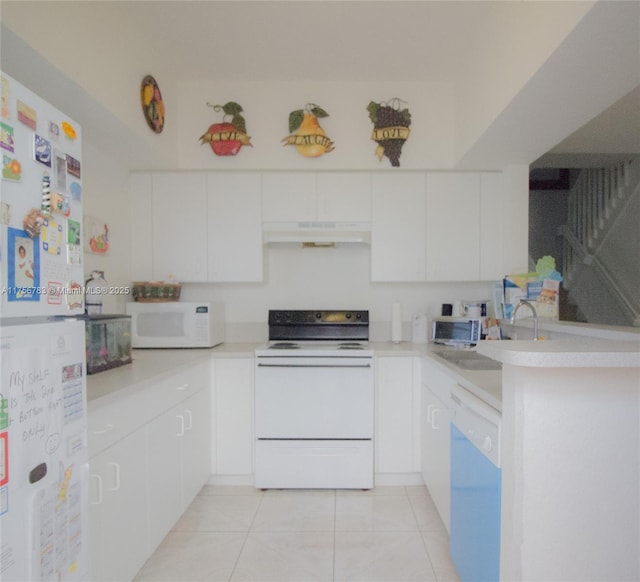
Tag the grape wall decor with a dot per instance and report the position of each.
(305, 132)
(226, 138)
(390, 128)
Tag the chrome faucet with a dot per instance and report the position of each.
(534, 315)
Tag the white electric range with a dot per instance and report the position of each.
(314, 401)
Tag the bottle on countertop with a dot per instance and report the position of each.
(95, 290)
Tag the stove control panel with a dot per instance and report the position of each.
(301, 324)
(309, 317)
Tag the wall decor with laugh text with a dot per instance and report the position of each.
(306, 133)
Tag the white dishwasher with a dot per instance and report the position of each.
(476, 487)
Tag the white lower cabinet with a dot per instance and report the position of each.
(177, 462)
(150, 456)
(397, 427)
(117, 512)
(232, 416)
(436, 437)
(196, 449)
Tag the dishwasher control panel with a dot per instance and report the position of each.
(478, 421)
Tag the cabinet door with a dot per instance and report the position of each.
(453, 226)
(179, 212)
(196, 444)
(141, 195)
(118, 511)
(398, 227)
(234, 218)
(492, 263)
(288, 196)
(394, 434)
(164, 474)
(233, 411)
(344, 196)
(435, 451)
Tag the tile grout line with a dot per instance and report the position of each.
(246, 538)
(422, 539)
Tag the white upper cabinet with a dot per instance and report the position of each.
(398, 227)
(141, 191)
(493, 263)
(453, 226)
(179, 212)
(288, 196)
(344, 196)
(425, 226)
(234, 221)
(309, 196)
(197, 227)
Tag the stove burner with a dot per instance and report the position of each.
(284, 346)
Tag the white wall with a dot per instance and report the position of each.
(106, 197)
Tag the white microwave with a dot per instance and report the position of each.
(176, 324)
(457, 330)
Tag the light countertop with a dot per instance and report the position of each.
(564, 353)
(149, 366)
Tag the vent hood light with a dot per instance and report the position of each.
(316, 233)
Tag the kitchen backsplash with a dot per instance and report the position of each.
(326, 278)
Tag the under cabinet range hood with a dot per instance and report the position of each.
(316, 233)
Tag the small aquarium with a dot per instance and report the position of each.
(108, 339)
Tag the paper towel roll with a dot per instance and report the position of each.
(396, 323)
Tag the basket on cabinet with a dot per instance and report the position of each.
(155, 291)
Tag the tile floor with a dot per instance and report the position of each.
(240, 533)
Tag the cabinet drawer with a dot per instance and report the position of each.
(112, 422)
(436, 379)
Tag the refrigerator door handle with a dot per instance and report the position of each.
(181, 431)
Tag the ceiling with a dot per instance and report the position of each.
(611, 136)
(428, 40)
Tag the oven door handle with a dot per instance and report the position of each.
(264, 365)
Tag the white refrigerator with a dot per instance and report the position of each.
(41, 221)
(44, 468)
(44, 471)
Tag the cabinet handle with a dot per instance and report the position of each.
(429, 412)
(107, 427)
(116, 473)
(189, 419)
(181, 431)
(433, 419)
(99, 481)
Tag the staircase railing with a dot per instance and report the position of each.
(596, 199)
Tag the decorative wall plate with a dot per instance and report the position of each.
(152, 104)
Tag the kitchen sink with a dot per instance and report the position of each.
(469, 360)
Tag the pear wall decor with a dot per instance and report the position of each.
(306, 134)
(390, 128)
(227, 137)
